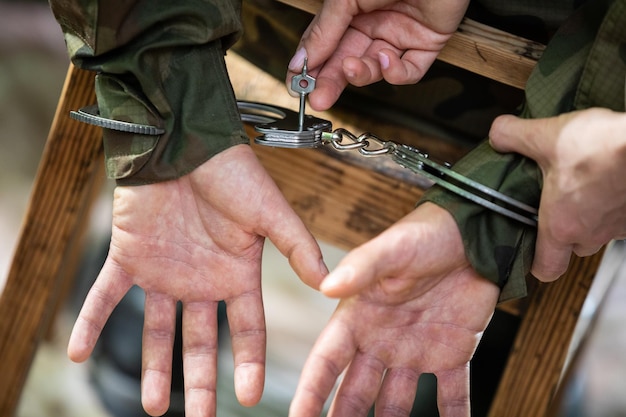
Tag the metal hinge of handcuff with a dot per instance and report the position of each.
(284, 128)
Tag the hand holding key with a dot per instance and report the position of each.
(361, 42)
(286, 131)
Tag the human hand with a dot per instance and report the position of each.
(411, 304)
(363, 41)
(583, 201)
(198, 239)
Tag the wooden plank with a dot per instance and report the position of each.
(59, 200)
(342, 204)
(538, 356)
(492, 53)
(478, 48)
(75, 249)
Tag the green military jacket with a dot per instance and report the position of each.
(583, 66)
(161, 63)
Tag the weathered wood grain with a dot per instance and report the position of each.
(60, 199)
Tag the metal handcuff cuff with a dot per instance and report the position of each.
(284, 128)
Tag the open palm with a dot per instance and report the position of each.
(199, 240)
(418, 307)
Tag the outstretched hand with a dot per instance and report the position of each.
(360, 42)
(198, 239)
(411, 304)
(583, 201)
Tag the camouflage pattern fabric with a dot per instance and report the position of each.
(583, 66)
(159, 63)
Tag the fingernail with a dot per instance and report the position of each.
(337, 278)
(297, 62)
(384, 60)
(323, 268)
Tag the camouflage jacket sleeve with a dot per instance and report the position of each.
(159, 63)
(583, 66)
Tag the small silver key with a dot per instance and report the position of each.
(302, 84)
(288, 129)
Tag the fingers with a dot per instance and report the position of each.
(362, 267)
(107, 291)
(359, 387)
(200, 358)
(408, 68)
(528, 137)
(397, 393)
(381, 60)
(554, 244)
(321, 38)
(158, 344)
(453, 392)
(409, 249)
(330, 355)
(343, 67)
(247, 330)
(551, 258)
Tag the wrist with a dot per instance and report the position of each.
(198, 122)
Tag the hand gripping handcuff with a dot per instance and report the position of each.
(284, 128)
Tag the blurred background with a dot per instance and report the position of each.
(33, 64)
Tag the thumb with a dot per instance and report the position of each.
(291, 237)
(106, 293)
(551, 258)
(424, 234)
(525, 136)
(323, 35)
(357, 270)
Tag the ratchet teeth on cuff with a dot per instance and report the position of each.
(91, 115)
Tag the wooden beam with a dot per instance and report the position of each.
(492, 53)
(538, 356)
(478, 48)
(59, 201)
(342, 204)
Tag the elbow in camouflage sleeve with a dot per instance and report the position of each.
(500, 249)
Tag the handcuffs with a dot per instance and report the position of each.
(285, 128)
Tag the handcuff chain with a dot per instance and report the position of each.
(368, 144)
(406, 156)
